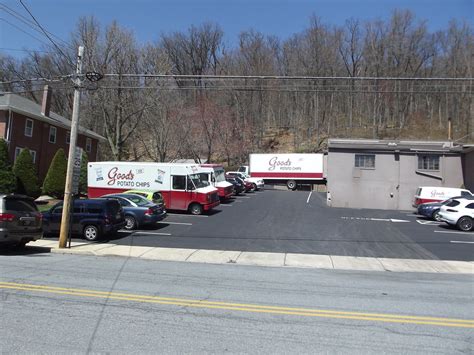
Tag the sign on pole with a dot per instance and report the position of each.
(76, 173)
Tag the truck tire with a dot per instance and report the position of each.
(291, 184)
(90, 233)
(195, 209)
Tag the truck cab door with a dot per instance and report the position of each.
(178, 197)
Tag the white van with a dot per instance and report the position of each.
(436, 194)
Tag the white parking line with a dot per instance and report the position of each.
(412, 215)
(152, 233)
(181, 223)
(309, 196)
(243, 197)
(225, 205)
(187, 215)
(239, 201)
(454, 232)
(461, 242)
(429, 223)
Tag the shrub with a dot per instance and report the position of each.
(25, 172)
(55, 179)
(7, 178)
(83, 177)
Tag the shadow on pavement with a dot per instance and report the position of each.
(27, 251)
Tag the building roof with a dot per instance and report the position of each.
(31, 109)
(394, 145)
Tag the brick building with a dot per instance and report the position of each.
(25, 124)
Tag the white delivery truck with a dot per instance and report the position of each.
(179, 184)
(214, 174)
(290, 169)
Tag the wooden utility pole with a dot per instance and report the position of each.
(72, 150)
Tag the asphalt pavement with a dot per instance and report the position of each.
(54, 303)
(276, 221)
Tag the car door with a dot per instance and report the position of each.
(55, 218)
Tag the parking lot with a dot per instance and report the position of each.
(300, 222)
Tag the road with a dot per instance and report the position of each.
(52, 303)
(300, 222)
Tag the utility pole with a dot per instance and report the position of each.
(72, 150)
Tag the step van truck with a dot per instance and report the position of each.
(180, 184)
(289, 169)
(214, 175)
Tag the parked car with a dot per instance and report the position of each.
(238, 186)
(91, 218)
(20, 220)
(138, 210)
(153, 196)
(257, 183)
(431, 209)
(459, 212)
(248, 186)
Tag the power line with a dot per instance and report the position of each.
(47, 35)
(25, 50)
(280, 77)
(49, 80)
(22, 30)
(28, 22)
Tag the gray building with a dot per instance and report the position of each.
(384, 174)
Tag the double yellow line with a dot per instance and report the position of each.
(305, 312)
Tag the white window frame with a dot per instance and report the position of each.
(33, 156)
(29, 131)
(55, 130)
(88, 145)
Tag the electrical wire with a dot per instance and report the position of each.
(28, 22)
(49, 80)
(47, 35)
(22, 30)
(25, 50)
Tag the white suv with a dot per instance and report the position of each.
(256, 182)
(459, 212)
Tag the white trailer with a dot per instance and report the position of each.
(289, 169)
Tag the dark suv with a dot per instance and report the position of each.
(91, 218)
(20, 221)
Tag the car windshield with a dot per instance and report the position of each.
(220, 175)
(196, 180)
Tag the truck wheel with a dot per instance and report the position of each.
(91, 233)
(436, 216)
(291, 184)
(195, 209)
(465, 224)
(130, 223)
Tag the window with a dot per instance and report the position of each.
(88, 145)
(68, 137)
(18, 151)
(179, 182)
(453, 203)
(466, 194)
(33, 156)
(470, 206)
(29, 128)
(428, 162)
(94, 208)
(52, 134)
(366, 161)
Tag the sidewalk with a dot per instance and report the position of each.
(263, 259)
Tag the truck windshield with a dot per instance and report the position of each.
(220, 175)
(195, 180)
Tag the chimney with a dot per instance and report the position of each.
(46, 105)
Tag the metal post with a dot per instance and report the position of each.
(72, 150)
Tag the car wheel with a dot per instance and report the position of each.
(130, 223)
(254, 187)
(291, 184)
(91, 233)
(436, 216)
(465, 224)
(195, 209)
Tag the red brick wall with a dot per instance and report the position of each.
(39, 142)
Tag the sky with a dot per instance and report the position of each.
(150, 18)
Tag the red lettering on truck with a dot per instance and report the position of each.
(114, 175)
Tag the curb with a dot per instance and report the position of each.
(286, 260)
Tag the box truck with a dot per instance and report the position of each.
(290, 169)
(180, 184)
(214, 174)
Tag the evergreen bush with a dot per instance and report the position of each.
(26, 176)
(7, 178)
(55, 179)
